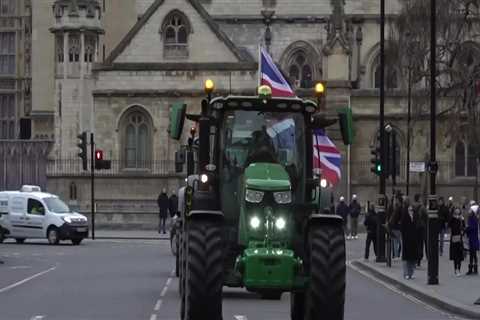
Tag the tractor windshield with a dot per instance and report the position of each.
(257, 136)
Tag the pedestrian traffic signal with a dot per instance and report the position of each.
(82, 144)
(100, 163)
(377, 167)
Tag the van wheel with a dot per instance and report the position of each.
(52, 235)
(76, 242)
(2, 236)
(20, 240)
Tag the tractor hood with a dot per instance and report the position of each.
(267, 177)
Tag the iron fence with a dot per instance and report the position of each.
(73, 167)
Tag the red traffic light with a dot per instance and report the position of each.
(98, 155)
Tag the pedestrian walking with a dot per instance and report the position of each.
(342, 211)
(354, 212)
(473, 243)
(394, 226)
(457, 225)
(421, 212)
(163, 205)
(371, 225)
(408, 227)
(451, 208)
(443, 217)
(173, 204)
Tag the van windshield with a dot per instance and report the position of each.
(56, 205)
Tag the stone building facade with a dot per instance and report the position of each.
(116, 70)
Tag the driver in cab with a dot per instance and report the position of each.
(261, 148)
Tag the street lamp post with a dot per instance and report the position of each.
(432, 228)
(409, 118)
(381, 202)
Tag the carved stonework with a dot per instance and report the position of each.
(91, 11)
(57, 11)
(73, 9)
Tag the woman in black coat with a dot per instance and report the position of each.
(409, 242)
(457, 225)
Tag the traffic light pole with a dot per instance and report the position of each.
(433, 223)
(381, 203)
(92, 171)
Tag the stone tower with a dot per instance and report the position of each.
(77, 30)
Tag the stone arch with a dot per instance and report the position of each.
(301, 57)
(135, 132)
(371, 61)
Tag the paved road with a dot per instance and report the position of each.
(133, 280)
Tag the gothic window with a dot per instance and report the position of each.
(391, 76)
(74, 48)
(7, 53)
(7, 116)
(58, 11)
(465, 162)
(175, 31)
(60, 49)
(89, 49)
(137, 130)
(300, 71)
(7, 7)
(90, 11)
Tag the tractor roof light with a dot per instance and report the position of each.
(319, 89)
(264, 92)
(209, 86)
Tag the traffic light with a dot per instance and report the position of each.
(83, 149)
(376, 161)
(99, 162)
(345, 118)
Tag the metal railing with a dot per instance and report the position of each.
(73, 167)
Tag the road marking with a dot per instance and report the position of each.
(172, 273)
(19, 267)
(158, 305)
(169, 280)
(37, 318)
(403, 294)
(164, 291)
(16, 284)
(240, 317)
(153, 317)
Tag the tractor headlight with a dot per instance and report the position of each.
(283, 197)
(323, 183)
(255, 222)
(280, 223)
(254, 196)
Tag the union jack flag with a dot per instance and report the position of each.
(270, 75)
(326, 157)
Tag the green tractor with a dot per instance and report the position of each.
(254, 215)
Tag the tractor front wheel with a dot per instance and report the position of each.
(204, 271)
(325, 294)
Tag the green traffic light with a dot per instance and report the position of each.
(379, 168)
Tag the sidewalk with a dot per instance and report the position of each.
(453, 294)
(130, 234)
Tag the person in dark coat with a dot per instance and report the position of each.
(408, 226)
(342, 211)
(443, 217)
(163, 205)
(473, 243)
(422, 221)
(394, 226)
(457, 226)
(354, 212)
(371, 225)
(173, 205)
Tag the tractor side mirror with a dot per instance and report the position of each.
(179, 160)
(176, 120)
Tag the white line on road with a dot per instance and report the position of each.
(164, 291)
(240, 317)
(16, 284)
(37, 318)
(153, 317)
(169, 280)
(20, 267)
(172, 273)
(158, 305)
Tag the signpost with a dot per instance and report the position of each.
(417, 166)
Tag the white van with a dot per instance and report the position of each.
(30, 213)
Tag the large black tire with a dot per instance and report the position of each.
(204, 271)
(297, 305)
(53, 236)
(325, 294)
(271, 295)
(20, 240)
(77, 241)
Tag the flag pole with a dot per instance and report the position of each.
(259, 72)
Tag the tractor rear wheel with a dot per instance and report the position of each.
(325, 292)
(297, 305)
(204, 271)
